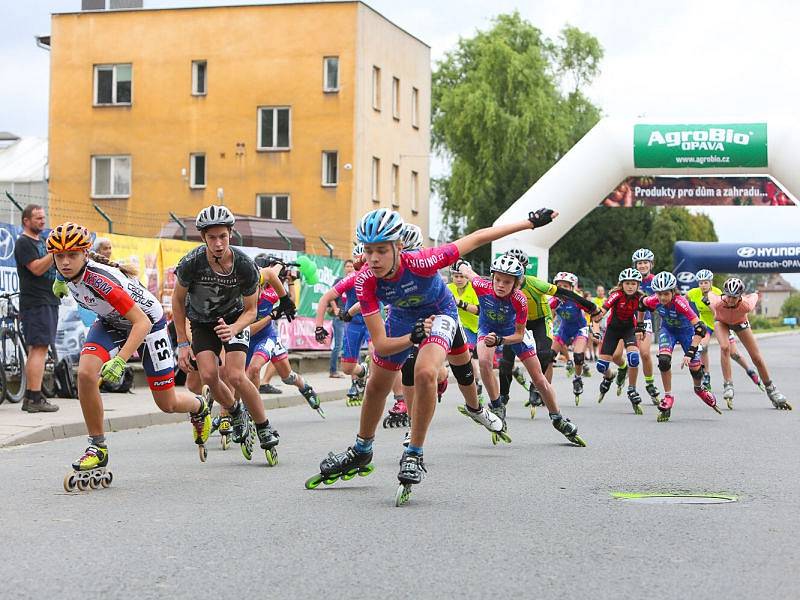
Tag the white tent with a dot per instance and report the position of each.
(23, 174)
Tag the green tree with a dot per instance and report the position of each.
(791, 306)
(674, 223)
(502, 117)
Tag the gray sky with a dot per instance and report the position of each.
(696, 60)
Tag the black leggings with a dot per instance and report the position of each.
(544, 343)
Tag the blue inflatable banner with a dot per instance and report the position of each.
(9, 281)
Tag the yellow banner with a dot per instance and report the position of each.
(142, 253)
(171, 252)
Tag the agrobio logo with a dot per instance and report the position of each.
(710, 138)
(746, 252)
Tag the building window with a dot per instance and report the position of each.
(330, 67)
(273, 128)
(395, 185)
(330, 168)
(111, 176)
(376, 179)
(415, 108)
(274, 206)
(414, 191)
(197, 176)
(396, 98)
(112, 84)
(376, 88)
(199, 70)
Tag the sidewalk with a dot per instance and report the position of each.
(131, 411)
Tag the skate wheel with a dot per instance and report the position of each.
(330, 480)
(349, 475)
(495, 438)
(577, 400)
(202, 452)
(313, 482)
(69, 482)
(637, 410)
(94, 483)
(386, 422)
(106, 481)
(320, 412)
(224, 441)
(403, 494)
(578, 441)
(717, 410)
(82, 485)
(533, 412)
(364, 471)
(272, 456)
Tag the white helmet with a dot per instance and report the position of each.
(411, 237)
(630, 275)
(570, 278)
(643, 254)
(664, 282)
(704, 275)
(508, 265)
(519, 254)
(214, 215)
(733, 287)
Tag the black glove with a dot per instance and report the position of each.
(320, 333)
(541, 217)
(690, 353)
(705, 300)
(596, 335)
(640, 328)
(345, 316)
(418, 332)
(498, 341)
(459, 263)
(462, 305)
(285, 308)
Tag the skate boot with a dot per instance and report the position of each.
(344, 465)
(568, 429)
(398, 415)
(500, 411)
(707, 381)
(534, 400)
(89, 471)
(577, 388)
(570, 368)
(489, 420)
(201, 427)
(622, 374)
(225, 430)
(727, 393)
(636, 400)
(412, 471)
(244, 430)
(777, 398)
(665, 408)
(708, 398)
(520, 378)
(353, 395)
(268, 438)
(653, 392)
(753, 374)
(441, 388)
(313, 401)
(605, 385)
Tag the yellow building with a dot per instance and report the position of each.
(311, 113)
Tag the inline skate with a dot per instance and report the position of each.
(577, 388)
(201, 424)
(665, 408)
(622, 374)
(313, 401)
(728, 393)
(568, 429)
(412, 472)
(635, 400)
(269, 439)
(489, 420)
(398, 415)
(605, 385)
(89, 471)
(344, 465)
(777, 398)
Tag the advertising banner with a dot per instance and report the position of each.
(753, 190)
(171, 252)
(531, 269)
(9, 281)
(142, 253)
(299, 334)
(692, 146)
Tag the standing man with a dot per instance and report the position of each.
(335, 308)
(38, 306)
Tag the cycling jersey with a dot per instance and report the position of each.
(536, 291)
(646, 286)
(266, 301)
(621, 307)
(572, 323)
(344, 287)
(468, 320)
(499, 315)
(736, 315)
(703, 310)
(211, 294)
(675, 316)
(110, 294)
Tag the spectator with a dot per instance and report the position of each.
(334, 309)
(38, 306)
(102, 246)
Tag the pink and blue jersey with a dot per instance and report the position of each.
(355, 332)
(344, 287)
(676, 324)
(572, 322)
(266, 301)
(502, 315)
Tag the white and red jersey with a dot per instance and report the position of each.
(110, 294)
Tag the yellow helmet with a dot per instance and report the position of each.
(68, 237)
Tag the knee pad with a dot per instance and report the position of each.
(290, 379)
(407, 371)
(633, 359)
(545, 358)
(664, 362)
(578, 357)
(463, 373)
(602, 365)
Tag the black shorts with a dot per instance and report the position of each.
(39, 325)
(615, 333)
(407, 370)
(205, 338)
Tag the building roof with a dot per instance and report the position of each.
(24, 161)
(775, 283)
(259, 4)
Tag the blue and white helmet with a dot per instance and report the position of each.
(380, 225)
(704, 275)
(411, 237)
(519, 254)
(358, 251)
(630, 275)
(508, 265)
(643, 254)
(664, 282)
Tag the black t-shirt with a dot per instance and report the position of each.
(35, 290)
(212, 295)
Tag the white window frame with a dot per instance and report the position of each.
(414, 192)
(395, 185)
(396, 98)
(195, 67)
(274, 196)
(376, 88)
(376, 179)
(415, 108)
(112, 158)
(275, 110)
(192, 172)
(325, 182)
(113, 67)
(325, 87)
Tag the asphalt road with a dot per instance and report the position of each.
(535, 518)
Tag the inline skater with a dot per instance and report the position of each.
(679, 325)
(730, 315)
(221, 283)
(644, 262)
(621, 328)
(422, 312)
(502, 321)
(129, 318)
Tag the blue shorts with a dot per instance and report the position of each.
(567, 334)
(524, 349)
(39, 324)
(446, 333)
(270, 348)
(668, 338)
(355, 334)
(472, 338)
(156, 351)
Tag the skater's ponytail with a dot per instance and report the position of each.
(127, 270)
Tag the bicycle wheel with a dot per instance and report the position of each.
(12, 353)
(2, 386)
(49, 378)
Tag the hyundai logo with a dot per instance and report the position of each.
(686, 277)
(746, 252)
(6, 244)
